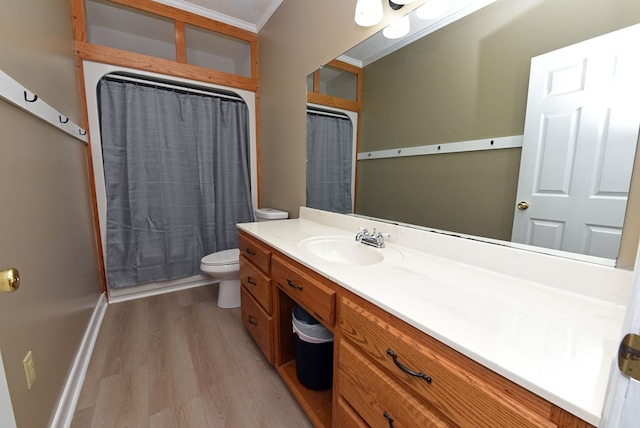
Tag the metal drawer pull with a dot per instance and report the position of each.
(407, 370)
(250, 252)
(389, 418)
(250, 281)
(253, 320)
(294, 285)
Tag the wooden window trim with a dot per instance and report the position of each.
(188, 18)
(317, 98)
(180, 18)
(106, 55)
(329, 101)
(181, 44)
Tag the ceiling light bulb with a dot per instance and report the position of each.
(368, 12)
(403, 1)
(432, 9)
(397, 29)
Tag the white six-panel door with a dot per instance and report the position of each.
(581, 130)
(622, 405)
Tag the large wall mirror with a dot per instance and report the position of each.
(468, 83)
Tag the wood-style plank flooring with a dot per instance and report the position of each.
(177, 360)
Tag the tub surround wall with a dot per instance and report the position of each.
(544, 324)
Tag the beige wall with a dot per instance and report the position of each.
(489, 55)
(301, 36)
(46, 220)
(467, 81)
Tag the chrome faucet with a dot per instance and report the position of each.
(373, 239)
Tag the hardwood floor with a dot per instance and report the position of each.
(177, 360)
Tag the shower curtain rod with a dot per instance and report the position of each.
(326, 113)
(211, 92)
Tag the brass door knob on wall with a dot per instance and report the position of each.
(523, 205)
(9, 280)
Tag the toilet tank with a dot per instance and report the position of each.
(268, 214)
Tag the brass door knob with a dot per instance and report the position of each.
(9, 280)
(523, 205)
(629, 356)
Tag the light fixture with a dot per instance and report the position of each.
(403, 2)
(398, 28)
(368, 12)
(432, 9)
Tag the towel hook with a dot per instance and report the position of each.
(66, 119)
(82, 131)
(35, 98)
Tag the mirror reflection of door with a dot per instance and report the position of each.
(581, 130)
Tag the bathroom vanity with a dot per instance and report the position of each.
(433, 330)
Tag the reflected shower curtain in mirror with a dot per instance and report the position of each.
(329, 162)
(177, 178)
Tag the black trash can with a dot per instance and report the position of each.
(313, 350)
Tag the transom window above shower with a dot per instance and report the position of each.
(129, 29)
(334, 82)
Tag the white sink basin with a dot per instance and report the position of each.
(346, 251)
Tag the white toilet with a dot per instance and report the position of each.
(225, 265)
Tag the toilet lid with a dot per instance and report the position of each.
(226, 257)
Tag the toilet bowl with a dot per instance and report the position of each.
(225, 265)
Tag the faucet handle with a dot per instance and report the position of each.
(363, 232)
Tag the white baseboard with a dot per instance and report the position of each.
(154, 289)
(69, 399)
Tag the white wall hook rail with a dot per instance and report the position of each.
(18, 95)
(457, 147)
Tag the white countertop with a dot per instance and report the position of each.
(537, 332)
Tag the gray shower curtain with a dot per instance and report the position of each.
(329, 163)
(177, 178)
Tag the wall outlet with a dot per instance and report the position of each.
(29, 369)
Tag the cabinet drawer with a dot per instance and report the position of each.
(258, 322)
(345, 416)
(377, 397)
(467, 399)
(254, 251)
(317, 298)
(256, 282)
